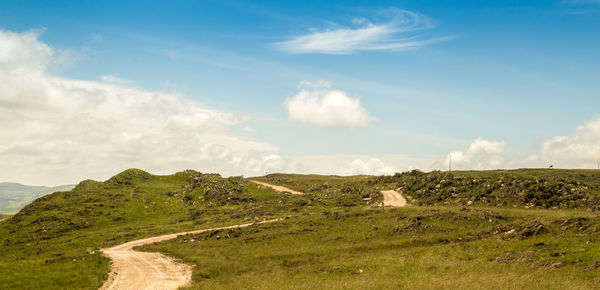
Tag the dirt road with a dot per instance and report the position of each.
(277, 187)
(393, 198)
(140, 270)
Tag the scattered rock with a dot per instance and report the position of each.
(560, 254)
(593, 266)
(533, 229)
(552, 264)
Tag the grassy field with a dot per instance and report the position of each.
(522, 228)
(424, 248)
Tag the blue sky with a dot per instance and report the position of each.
(519, 73)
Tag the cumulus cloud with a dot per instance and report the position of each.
(579, 150)
(481, 154)
(372, 166)
(57, 130)
(393, 30)
(320, 105)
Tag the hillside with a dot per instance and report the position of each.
(15, 196)
(523, 188)
(507, 229)
(55, 239)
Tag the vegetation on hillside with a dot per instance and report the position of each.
(389, 248)
(527, 188)
(336, 235)
(54, 241)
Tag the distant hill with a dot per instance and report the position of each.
(15, 196)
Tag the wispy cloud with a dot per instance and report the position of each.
(114, 80)
(397, 31)
(95, 37)
(171, 54)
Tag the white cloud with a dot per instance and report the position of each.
(579, 150)
(481, 154)
(318, 104)
(114, 80)
(57, 130)
(372, 166)
(361, 164)
(394, 33)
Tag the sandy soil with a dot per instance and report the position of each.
(140, 270)
(277, 187)
(393, 198)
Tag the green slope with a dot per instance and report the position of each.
(54, 241)
(520, 228)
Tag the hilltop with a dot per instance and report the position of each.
(506, 228)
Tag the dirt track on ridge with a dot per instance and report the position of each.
(142, 270)
(390, 197)
(277, 188)
(393, 198)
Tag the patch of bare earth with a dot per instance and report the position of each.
(141, 270)
(393, 198)
(277, 188)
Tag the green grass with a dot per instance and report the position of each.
(54, 242)
(331, 233)
(414, 247)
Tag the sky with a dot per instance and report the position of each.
(91, 88)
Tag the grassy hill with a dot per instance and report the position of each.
(15, 196)
(54, 241)
(507, 229)
(523, 188)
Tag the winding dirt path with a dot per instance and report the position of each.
(143, 270)
(393, 198)
(277, 188)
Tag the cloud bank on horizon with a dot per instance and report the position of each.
(86, 129)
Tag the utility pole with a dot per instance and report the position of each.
(450, 164)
